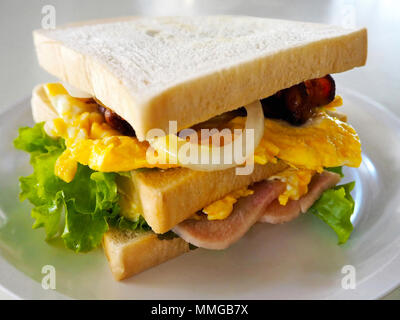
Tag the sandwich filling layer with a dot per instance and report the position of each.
(306, 140)
(324, 141)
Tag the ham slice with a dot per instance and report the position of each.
(262, 206)
(276, 213)
(220, 234)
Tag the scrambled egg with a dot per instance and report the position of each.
(337, 102)
(89, 139)
(297, 181)
(221, 209)
(324, 141)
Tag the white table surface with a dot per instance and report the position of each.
(380, 79)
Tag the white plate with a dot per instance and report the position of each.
(297, 260)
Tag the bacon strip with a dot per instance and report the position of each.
(220, 234)
(297, 103)
(276, 213)
(115, 121)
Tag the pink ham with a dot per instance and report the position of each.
(220, 234)
(261, 206)
(276, 213)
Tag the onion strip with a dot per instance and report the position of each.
(254, 127)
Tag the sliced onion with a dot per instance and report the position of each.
(74, 92)
(254, 121)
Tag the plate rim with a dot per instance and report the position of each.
(18, 285)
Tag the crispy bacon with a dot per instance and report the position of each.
(297, 103)
(320, 91)
(115, 121)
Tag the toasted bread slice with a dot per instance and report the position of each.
(189, 69)
(130, 252)
(172, 196)
(168, 197)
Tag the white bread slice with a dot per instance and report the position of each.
(189, 69)
(130, 252)
(168, 197)
(42, 110)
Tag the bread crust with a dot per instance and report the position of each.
(146, 102)
(131, 252)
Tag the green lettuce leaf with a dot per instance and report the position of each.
(80, 211)
(337, 170)
(335, 208)
(123, 223)
(36, 141)
(82, 232)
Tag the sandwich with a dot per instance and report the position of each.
(167, 134)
